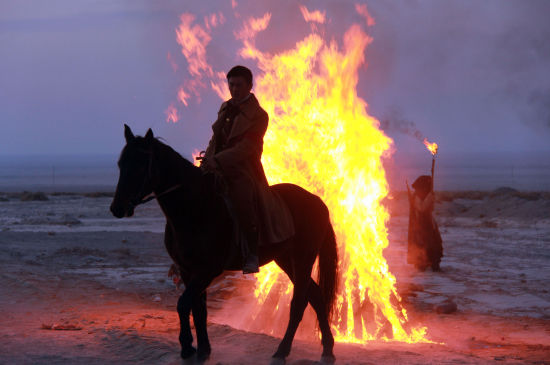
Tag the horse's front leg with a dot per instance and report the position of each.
(186, 337)
(186, 302)
(199, 311)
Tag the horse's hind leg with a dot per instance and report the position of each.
(199, 318)
(317, 301)
(297, 306)
(315, 298)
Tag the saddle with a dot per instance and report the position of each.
(219, 185)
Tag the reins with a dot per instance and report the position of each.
(152, 196)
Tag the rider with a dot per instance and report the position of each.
(235, 151)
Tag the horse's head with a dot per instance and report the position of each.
(135, 164)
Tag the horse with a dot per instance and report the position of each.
(198, 237)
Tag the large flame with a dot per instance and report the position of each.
(321, 137)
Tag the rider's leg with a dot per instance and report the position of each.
(251, 264)
(241, 194)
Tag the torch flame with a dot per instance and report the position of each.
(321, 137)
(432, 147)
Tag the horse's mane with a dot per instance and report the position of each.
(163, 154)
(179, 165)
(164, 148)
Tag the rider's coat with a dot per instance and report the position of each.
(236, 146)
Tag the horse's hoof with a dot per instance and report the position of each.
(202, 356)
(327, 360)
(277, 361)
(188, 352)
(192, 360)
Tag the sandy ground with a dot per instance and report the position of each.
(78, 286)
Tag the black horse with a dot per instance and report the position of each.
(198, 237)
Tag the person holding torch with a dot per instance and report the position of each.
(425, 246)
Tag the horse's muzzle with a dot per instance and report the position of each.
(120, 212)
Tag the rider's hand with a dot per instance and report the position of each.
(209, 164)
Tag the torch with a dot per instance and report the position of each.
(432, 147)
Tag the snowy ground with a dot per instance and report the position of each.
(66, 263)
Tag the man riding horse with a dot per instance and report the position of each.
(200, 222)
(234, 153)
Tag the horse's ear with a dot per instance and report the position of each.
(149, 135)
(128, 133)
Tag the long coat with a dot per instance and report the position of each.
(238, 155)
(424, 240)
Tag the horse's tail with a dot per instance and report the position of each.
(328, 270)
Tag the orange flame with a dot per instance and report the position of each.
(193, 40)
(183, 96)
(213, 20)
(171, 114)
(362, 10)
(196, 153)
(313, 16)
(219, 85)
(321, 137)
(173, 63)
(432, 147)
(253, 26)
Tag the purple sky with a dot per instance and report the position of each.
(472, 75)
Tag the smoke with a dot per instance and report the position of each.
(394, 121)
(522, 53)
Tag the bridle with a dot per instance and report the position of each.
(147, 198)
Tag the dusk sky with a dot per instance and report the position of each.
(471, 75)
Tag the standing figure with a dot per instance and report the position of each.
(234, 153)
(425, 246)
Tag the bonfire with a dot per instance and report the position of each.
(322, 138)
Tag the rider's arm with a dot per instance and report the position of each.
(208, 163)
(246, 147)
(209, 153)
(210, 149)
